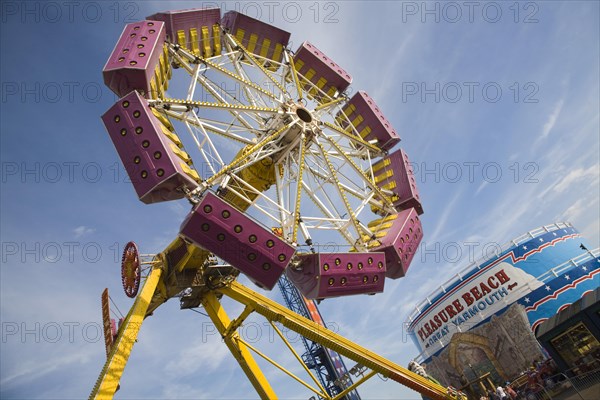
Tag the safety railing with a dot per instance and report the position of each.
(573, 384)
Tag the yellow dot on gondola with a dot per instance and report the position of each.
(139, 130)
(343, 280)
(365, 279)
(360, 265)
(137, 159)
(207, 208)
(266, 266)
(160, 172)
(144, 174)
(331, 281)
(125, 104)
(123, 132)
(270, 243)
(325, 267)
(237, 229)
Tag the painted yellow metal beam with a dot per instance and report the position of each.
(239, 350)
(107, 383)
(356, 384)
(295, 76)
(274, 311)
(302, 363)
(281, 368)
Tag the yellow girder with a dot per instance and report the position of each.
(107, 383)
(239, 349)
(275, 312)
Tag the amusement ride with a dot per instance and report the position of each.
(284, 162)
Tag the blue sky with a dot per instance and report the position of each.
(518, 152)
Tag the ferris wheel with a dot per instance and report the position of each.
(287, 172)
(277, 143)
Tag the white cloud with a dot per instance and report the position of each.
(576, 175)
(441, 224)
(31, 371)
(552, 119)
(83, 230)
(574, 210)
(480, 188)
(207, 356)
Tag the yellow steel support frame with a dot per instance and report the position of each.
(110, 376)
(275, 312)
(238, 348)
(108, 382)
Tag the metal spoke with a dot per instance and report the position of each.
(251, 57)
(299, 188)
(349, 209)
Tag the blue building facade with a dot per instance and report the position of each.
(544, 270)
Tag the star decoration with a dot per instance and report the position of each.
(541, 240)
(567, 277)
(527, 300)
(548, 288)
(584, 268)
(554, 233)
(525, 248)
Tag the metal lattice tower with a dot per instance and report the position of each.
(328, 364)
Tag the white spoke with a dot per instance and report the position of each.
(321, 181)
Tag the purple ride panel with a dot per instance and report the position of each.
(220, 228)
(256, 36)
(149, 156)
(185, 20)
(369, 121)
(400, 241)
(321, 70)
(324, 275)
(394, 172)
(133, 61)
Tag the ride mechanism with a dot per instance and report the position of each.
(288, 160)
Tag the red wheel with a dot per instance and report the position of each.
(130, 269)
